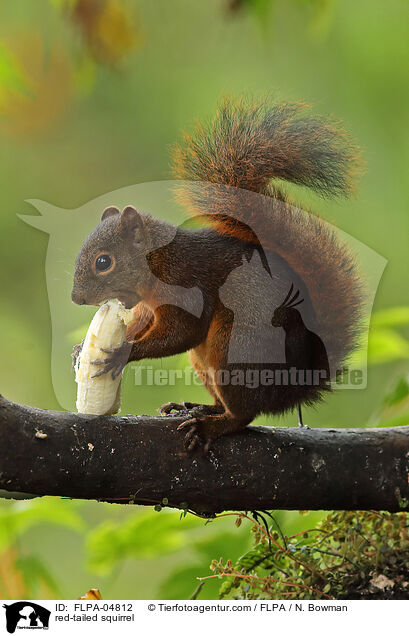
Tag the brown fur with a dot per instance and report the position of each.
(255, 245)
(245, 146)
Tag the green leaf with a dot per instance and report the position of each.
(399, 392)
(386, 345)
(12, 75)
(227, 587)
(261, 8)
(227, 545)
(181, 583)
(390, 317)
(394, 410)
(214, 545)
(401, 419)
(34, 573)
(143, 536)
(19, 516)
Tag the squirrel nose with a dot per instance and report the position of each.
(77, 298)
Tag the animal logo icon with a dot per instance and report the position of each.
(26, 615)
(304, 349)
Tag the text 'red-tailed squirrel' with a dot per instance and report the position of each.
(279, 292)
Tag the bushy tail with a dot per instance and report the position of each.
(247, 146)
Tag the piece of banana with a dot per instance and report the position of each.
(101, 395)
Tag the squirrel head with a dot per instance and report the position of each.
(112, 260)
(285, 315)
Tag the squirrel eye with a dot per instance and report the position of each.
(103, 263)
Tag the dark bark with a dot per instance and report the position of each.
(142, 459)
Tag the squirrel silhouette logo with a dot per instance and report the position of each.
(26, 615)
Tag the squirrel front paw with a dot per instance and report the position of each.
(115, 361)
(194, 407)
(166, 409)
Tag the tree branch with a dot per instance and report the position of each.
(142, 459)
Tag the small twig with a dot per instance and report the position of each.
(197, 591)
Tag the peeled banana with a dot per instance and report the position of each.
(101, 395)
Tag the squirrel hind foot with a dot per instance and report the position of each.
(202, 429)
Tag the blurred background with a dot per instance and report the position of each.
(93, 93)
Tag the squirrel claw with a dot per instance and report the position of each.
(102, 371)
(76, 350)
(194, 437)
(194, 407)
(194, 443)
(167, 408)
(207, 446)
(191, 422)
(187, 424)
(115, 361)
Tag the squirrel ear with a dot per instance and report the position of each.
(110, 211)
(131, 220)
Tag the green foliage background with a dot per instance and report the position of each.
(86, 109)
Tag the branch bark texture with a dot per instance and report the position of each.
(142, 459)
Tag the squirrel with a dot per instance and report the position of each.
(227, 173)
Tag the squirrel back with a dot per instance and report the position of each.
(240, 153)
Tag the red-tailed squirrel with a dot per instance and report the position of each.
(253, 253)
